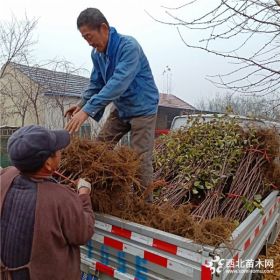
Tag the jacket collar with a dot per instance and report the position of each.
(113, 42)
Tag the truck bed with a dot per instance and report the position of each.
(120, 249)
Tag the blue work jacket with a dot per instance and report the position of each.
(123, 76)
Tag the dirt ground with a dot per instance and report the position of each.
(273, 253)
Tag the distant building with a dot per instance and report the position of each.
(33, 95)
(170, 106)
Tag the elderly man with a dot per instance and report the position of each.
(122, 75)
(42, 222)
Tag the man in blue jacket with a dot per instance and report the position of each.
(122, 75)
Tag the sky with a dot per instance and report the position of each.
(58, 37)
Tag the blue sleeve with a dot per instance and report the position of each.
(123, 75)
(96, 83)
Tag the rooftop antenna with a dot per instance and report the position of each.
(168, 73)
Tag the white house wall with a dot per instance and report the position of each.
(55, 120)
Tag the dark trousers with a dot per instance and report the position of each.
(142, 131)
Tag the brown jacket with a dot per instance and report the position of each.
(63, 221)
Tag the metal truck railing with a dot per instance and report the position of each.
(124, 250)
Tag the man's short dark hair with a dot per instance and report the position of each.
(91, 17)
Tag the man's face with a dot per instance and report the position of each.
(97, 38)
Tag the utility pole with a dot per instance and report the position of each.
(168, 73)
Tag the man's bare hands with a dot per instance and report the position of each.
(76, 121)
(72, 111)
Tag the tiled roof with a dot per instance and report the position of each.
(63, 83)
(55, 82)
(172, 101)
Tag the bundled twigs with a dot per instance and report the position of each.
(207, 178)
(209, 208)
(179, 188)
(218, 167)
(247, 183)
(113, 172)
(196, 160)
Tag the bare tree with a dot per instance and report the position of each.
(250, 106)
(16, 40)
(63, 86)
(246, 32)
(39, 92)
(46, 90)
(60, 82)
